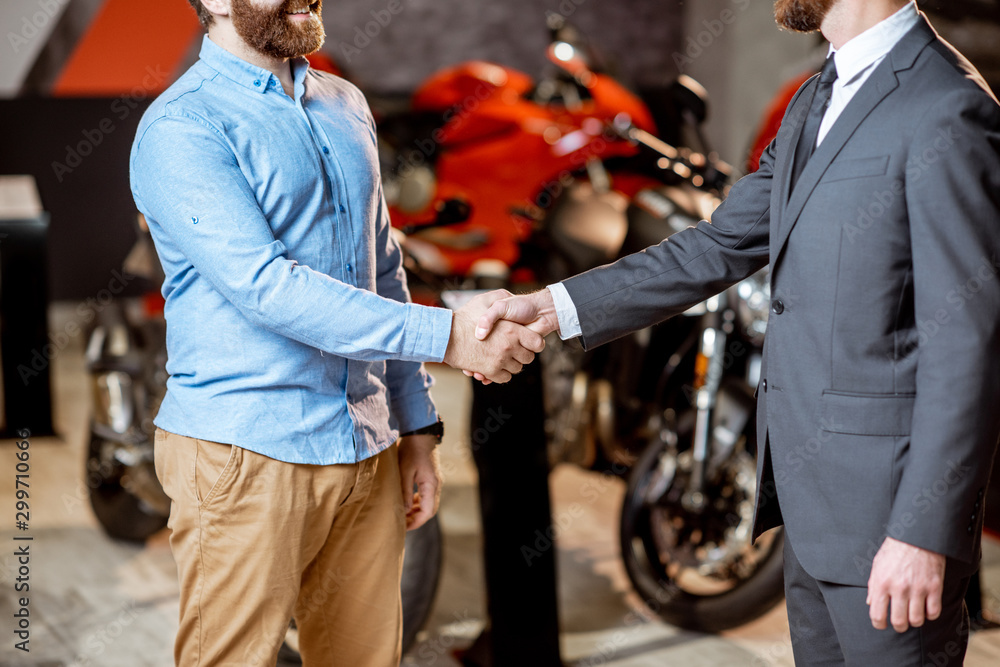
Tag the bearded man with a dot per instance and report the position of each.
(878, 209)
(295, 357)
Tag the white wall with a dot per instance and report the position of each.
(393, 51)
(735, 50)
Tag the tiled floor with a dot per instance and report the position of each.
(96, 602)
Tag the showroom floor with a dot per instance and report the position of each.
(97, 602)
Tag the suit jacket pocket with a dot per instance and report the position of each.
(842, 170)
(866, 414)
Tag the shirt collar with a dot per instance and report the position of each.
(246, 74)
(873, 44)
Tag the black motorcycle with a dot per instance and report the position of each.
(687, 517)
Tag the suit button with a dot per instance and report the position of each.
(970, 529)
(764, 385)
(777, 306)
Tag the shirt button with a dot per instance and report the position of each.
(343, 209)
(763, 385)
(257, 82)
(778, 307)
(350, 268)
(326, 151)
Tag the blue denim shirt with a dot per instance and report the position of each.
(285, 292)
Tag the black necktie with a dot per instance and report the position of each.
(817, 109)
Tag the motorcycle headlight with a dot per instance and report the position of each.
(753, 305)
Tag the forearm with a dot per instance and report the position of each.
(938, 504)
(650, 286)
(338, 318)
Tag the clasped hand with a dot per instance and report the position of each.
(499, 352)
(501, 315)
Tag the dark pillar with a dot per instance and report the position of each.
(24, 327)
(509, 446)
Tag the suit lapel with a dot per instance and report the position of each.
(881, 82)
(878, 86)
(797, 118)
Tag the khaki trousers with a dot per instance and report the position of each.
(258, 541)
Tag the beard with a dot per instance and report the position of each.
(272, 32)
(801, 15)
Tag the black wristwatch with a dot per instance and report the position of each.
(436, 429)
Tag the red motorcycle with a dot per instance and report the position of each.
(484, 151)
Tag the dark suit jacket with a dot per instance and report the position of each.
(880, 407)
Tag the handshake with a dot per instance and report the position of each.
(496, 334)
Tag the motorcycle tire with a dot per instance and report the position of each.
(421, 575)
(745, 601)
(122, 515)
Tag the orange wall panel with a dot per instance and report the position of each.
(133, 47)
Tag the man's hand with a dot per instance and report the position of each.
(496, 357)
(909, 577)
(419, 466)
(537, 311)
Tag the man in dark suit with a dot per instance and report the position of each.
(878, 208)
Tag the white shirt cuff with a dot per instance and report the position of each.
(569, 321)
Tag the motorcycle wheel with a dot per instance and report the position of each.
(698, 571)
(421, 575)
(121, 514)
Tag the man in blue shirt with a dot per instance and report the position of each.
(295, 357)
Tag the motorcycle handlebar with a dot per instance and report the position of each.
(449, 212)
(713, 172)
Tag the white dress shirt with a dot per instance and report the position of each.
(856, 60)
